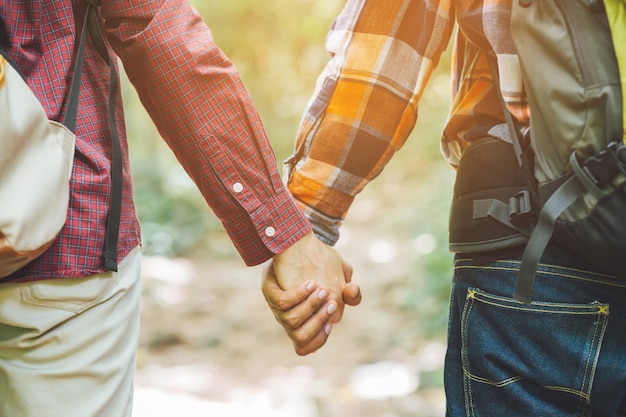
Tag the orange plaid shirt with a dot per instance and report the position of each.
(366, 100)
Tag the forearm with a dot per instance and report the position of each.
(201, 108)
(365, 103)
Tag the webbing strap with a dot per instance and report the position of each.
(616, 15)
(505, 213)
(494, 208)
(69, 120)
(562, 198)
(115, 203)
(574, 188)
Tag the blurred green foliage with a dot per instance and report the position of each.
(278, 47)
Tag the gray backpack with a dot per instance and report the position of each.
(572, 160)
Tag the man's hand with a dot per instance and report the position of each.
(307, 287)
(303, 311)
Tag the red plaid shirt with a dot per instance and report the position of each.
(195, 98)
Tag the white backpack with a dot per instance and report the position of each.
(36, 158)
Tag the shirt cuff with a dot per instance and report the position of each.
(325, 207)
(269, 229)
(325, 228)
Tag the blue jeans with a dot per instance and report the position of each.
(563, 355)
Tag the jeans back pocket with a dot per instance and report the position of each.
(514, 354)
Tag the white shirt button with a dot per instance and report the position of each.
(237, 187)
(270, 231)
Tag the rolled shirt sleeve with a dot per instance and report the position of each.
(365, 103)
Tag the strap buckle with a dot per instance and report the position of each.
(603, 167)
(520, 207)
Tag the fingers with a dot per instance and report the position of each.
(314, 333)
(352, 294)
(279, 299)
(292, 307)
(315, 344)
(303, 311)
(301, 316)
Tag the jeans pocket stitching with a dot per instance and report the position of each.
(589, 353)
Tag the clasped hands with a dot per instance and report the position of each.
(307, 287)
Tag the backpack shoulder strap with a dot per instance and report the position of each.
(69, 120)
(115, 203)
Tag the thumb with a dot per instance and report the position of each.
(352, 294)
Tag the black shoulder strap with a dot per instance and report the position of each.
(4, 38)
(115, 203)
(69, 120)
(92, 24)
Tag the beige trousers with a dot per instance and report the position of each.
(67, 346)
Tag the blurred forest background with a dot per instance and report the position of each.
(208, 339)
